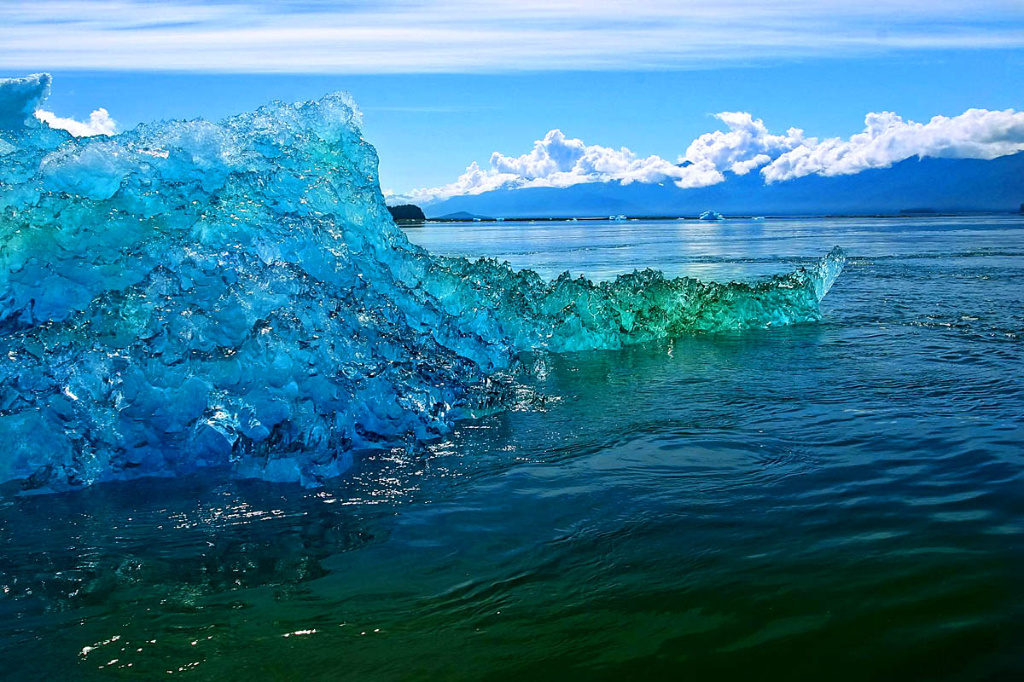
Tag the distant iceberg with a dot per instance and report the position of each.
(711, 215)
(235, 295)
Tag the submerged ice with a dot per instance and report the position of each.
(192, 294)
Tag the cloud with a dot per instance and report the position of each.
(558, 161)
(888, 139)
(99, 123)
(474, 181)
(746, 145)
(21, 99)
(421, 36)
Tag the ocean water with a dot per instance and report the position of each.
(188, 296)
(842, 499)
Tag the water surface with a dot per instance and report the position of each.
(839, 500)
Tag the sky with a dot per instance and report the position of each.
(446, 84)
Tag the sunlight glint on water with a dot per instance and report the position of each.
(840, 499)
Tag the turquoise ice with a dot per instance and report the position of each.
(235, 295)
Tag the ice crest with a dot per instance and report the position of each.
(19, 99)
(192, 294)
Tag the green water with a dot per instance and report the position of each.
(840, 500)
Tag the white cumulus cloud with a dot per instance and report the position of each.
(746, 145)
(888, 139)
(99, 123)
(559, 161)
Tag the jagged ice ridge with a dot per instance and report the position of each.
(191, 294)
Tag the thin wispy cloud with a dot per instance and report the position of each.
(406, 36)
(746, 146)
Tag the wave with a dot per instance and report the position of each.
(192, 294)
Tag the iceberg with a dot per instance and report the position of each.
(192, 295)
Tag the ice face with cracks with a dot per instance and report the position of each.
(235, 295)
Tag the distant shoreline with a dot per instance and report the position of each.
(650, 218)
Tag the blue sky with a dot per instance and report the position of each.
(443, 84)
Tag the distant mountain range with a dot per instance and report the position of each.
(913, 185)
